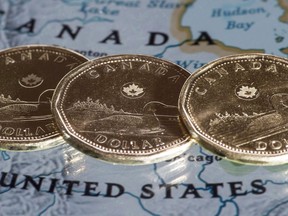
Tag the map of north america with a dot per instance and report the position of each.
(190, 33)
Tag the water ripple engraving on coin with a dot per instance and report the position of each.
(28, 77)
(123, 109)
(237, 107)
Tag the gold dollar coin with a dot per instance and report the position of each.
(237, 107)
(28, 77)
(123, 109)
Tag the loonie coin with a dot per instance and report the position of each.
(237, 107)
(28, 77)
(123, 109)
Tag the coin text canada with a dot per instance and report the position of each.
(218, 73)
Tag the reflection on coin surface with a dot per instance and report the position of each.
(237, 107)
(123, 109)
(28, 77)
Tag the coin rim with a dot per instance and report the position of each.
(216, 146)
(179, 146)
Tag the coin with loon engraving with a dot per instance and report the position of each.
(28, 77)
(123, 109)
(237, 107)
